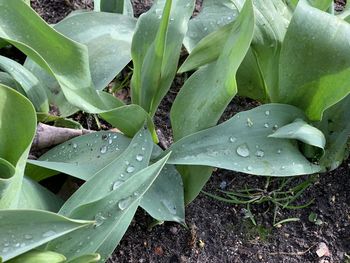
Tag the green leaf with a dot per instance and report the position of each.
(199, 106)
(28, 82)
(256, 76)
(336, 127)
(113, 175)
(36, 256)
(17, 129)
(156, 49)
(242, 144)
(114, 6)
(21, 235)
(7, 80)
(301, 131)
(164, 201)
(214, 14)
(129, 119)
(108, 40)
(81, 157)
(90, 258)
(34, 196)
(315, 70)
(37, 40)
(113, 214)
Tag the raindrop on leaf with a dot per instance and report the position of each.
(124, 203)
(103, 149)
(130, 169)
(139, 157)
(243, 150)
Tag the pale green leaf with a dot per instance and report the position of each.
(35, 196)
(17, 129)
(242, 144)
(108, 40)
(336, 127)
(81, 157)
(199, 106)
(156, 49)
(20, 235)
(302, 131)
(113, 214)
(31, 86)
(315, 69)
(37, 256)
(89, 258)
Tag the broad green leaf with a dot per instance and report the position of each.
(35, 196)
(17, 129)
(336, 127)
(113, 214)
(37, 40)
(156, 49)
(164, 201)
(89, 258)
(214, 14)
(23, 230)
(7, 80)
(81, 157)
(114, 6)
(242, 144)
(256, 76)
(37, 256)
(315, 70)
(108, 39)
(129, 119)
(28, 82)
(323, 5)
(302, 131)
(199, 106)
(113, 175)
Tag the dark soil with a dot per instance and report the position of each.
(219, 232)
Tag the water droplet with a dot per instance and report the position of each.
(5, 249)
(205, 29)
(266, 125)
(283, 167)
(170, 206)
(99, 218)
(124, 203)
(49, 233)
(28, 237)
(243, 150)
(267, 113)
(114, 136)
(6, 244)
(172, 19)
(139, 157)
(259, 153)
(75, 145)
(143, 148)
(275, 127)
(103, 149)
(232, 139)
(249, 122)
(116, 184)
(130, 169)
(110, 141)
(249, 168)
(136, 194)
